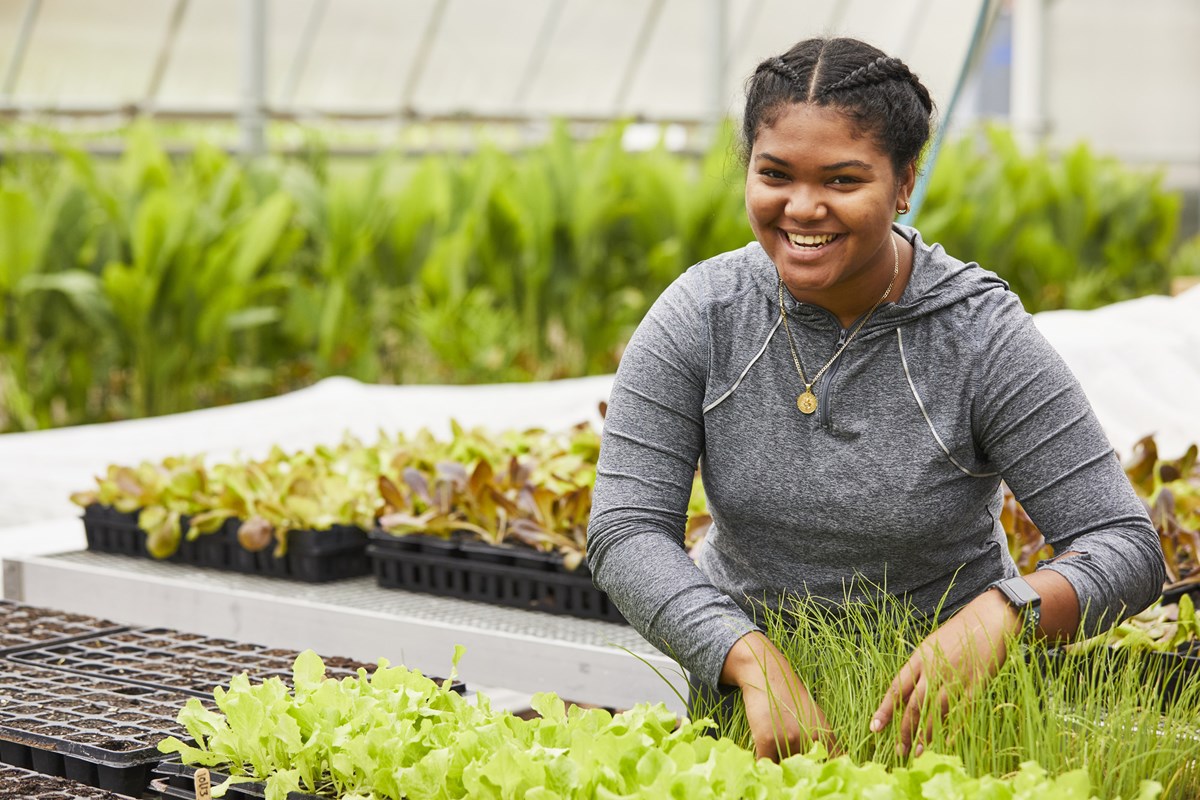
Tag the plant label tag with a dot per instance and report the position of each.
(203, 785)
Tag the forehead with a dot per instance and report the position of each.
(813, 131)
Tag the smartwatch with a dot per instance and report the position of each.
(1028, 603)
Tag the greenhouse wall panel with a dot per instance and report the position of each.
(1125, 77)
(477, 61)
(205, 65)
(363, 55)
(674, 77)
(593, 42)
(87, 53)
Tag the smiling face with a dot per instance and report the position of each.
(821, 197)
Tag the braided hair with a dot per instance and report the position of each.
(880, 93)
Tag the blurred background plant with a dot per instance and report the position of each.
(1080, 231)
(153, 284)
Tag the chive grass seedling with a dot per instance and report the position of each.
(1105, 712)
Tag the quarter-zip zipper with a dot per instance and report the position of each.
(827, 379)
(823, 389)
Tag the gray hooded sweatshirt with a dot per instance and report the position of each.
(895, 479)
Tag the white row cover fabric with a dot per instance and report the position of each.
(1138, 361)
(584, 58)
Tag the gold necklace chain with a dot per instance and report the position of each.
(807, 401)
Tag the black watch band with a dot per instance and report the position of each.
(1025, 599)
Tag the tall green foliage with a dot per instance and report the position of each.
(153, 284)
(1079, 231)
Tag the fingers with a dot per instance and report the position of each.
(925, 732)
(784, 724)
(911, 718)
(917, 715)
(896, 695)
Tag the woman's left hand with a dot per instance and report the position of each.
(964, 652)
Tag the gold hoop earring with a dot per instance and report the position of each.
(905, 209)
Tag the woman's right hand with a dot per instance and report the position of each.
(783, 717)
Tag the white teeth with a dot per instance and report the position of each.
(811, 241)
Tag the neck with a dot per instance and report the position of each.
(849, 303)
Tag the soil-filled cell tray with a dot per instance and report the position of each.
(178, 781)
(186, 662)
(22, 784)
(311, 557)
(101, 733)
(506, 576)
(30, 626)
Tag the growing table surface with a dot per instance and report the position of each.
(527, 651)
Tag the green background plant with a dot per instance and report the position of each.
(152, 284)
(1076, 231)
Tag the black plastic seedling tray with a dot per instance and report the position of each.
(97, 732)
(178, 782)
(29, 626)
(1169, 672)
(186, 662)
(22, 784)
(519, 577)
(1172, 595)
(312, 556)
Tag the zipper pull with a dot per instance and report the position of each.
(841, 337)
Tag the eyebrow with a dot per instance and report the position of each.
(852, 164)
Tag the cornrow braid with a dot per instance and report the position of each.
(878, 93)
(781, 68)
(883, 68)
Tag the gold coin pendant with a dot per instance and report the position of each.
(807, 402)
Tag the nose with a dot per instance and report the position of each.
(805, 203)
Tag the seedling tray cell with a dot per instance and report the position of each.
(312, 556)
(29, 626)
(161, 658)
(179, 780)
(500, 575)
(97, 732)
(22, 784)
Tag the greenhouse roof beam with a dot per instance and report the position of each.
(308, 37)
(417, 70)
(17, 59)
(653, 12)
(198, 113)
(252, 114)
(164, 52)
(988, 9)
(537, 54)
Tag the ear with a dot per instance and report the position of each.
(905, 182)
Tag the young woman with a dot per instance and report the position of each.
(854, 397)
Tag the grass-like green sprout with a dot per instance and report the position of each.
(1124, 716)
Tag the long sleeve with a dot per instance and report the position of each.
(652, 441)
(1036, 427)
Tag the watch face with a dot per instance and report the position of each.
(1019, 592)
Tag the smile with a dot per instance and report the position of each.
(811, 241)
